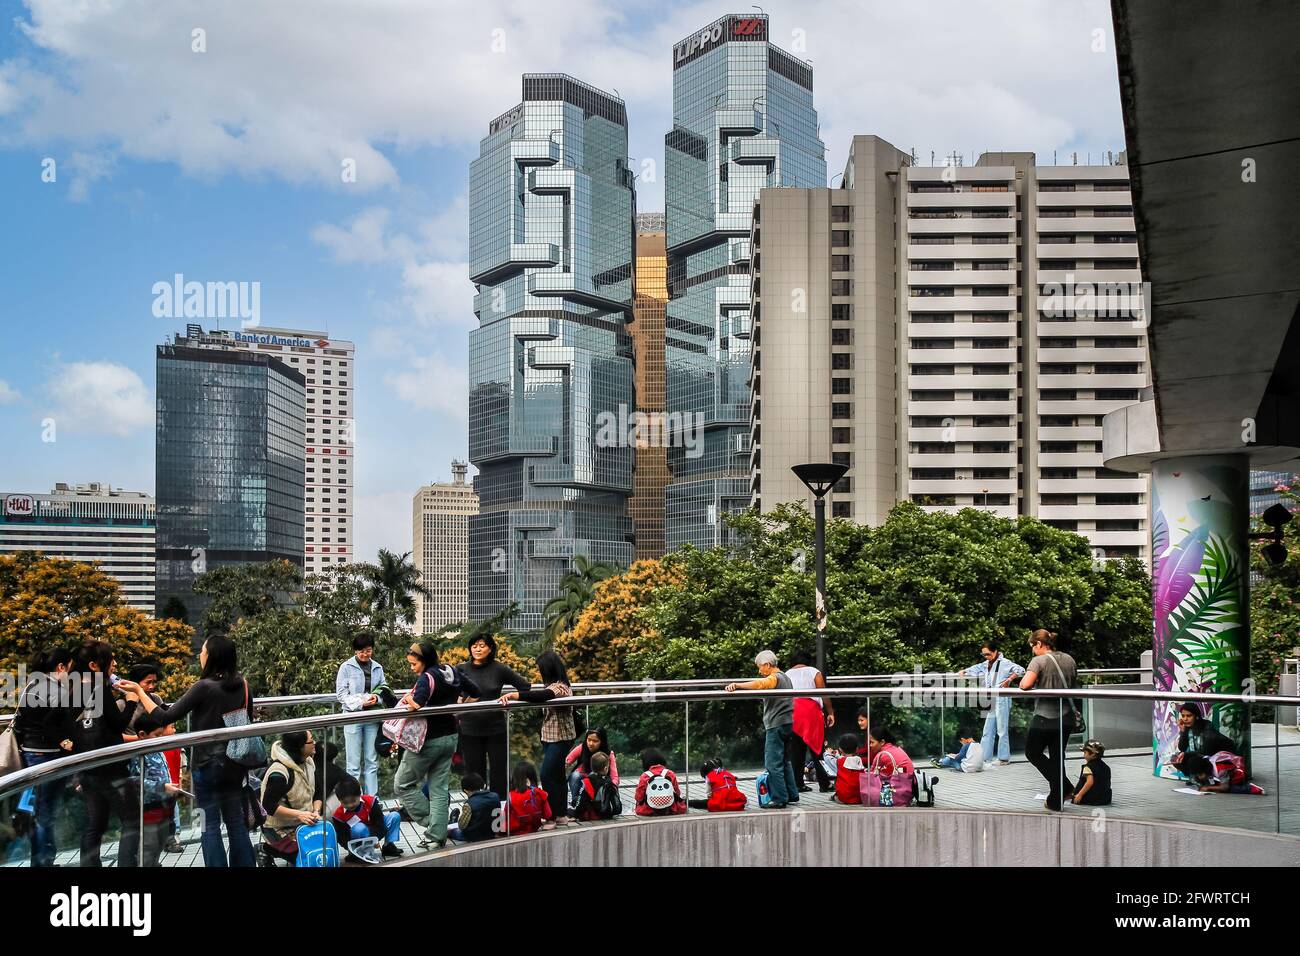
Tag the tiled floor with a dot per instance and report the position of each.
(1138, 795)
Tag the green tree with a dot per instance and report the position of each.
(394, 584)
(576, 591)
(922, 590)
(246, 590)
(1275, 605)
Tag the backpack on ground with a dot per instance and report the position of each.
(318, 845)
(923, 792)
(606, 800)
(764, 791)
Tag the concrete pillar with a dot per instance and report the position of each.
(1200, 591)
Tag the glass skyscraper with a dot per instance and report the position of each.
(743, 119)
(551, 370)
(229, 466)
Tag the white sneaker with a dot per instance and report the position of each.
(989, 764)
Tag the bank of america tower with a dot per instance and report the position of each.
(743, 119)
(551, 232)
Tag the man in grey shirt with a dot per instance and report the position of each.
(778, 726)
(1050, 669)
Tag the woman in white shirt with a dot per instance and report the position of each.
(812, 715)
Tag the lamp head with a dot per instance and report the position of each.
(820, 477)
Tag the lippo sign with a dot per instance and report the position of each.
(728, 28)
(20, 505)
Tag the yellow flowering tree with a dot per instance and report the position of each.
(615, 623)
(52, 602)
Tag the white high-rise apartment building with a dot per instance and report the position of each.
(93, 522)
(942, 331)
(329, 366)
(440, 516)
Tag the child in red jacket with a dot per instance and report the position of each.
(530, 810)
(848, 770)
(725, 795)
(657, 792)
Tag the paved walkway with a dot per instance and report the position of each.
(1138, 796)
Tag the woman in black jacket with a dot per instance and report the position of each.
(43, 726)
(483, 735)
(1197, 735)
(218, 782)
(106, 790)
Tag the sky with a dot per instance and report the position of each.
(217, 138)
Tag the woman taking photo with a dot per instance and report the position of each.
(558, 730)
(483, 735)
(218, 782)
(106, 790)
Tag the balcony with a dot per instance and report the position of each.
(960, 486)
(1093, 224)
(964, 459)
(962, 200)
(964, 356)
(962, 251)
(1069, 459)
(961, 406)
(1087, 355)
(966, 433)
(755, 151)
(1091, 512)
(962, 330)
(1092, 486)
(1084, 199)
(961, 383)
(962, 277)
(1089, 381)
(1070, 433)
(535, 152)
(961, 303)
(1085, 250)
(964, 226)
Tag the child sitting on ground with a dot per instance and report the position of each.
(848, 770)
(968, 759)
(360, 815)
(657, 792)
(725, 795)
(481, 817)
(1223, 773)
(1093, 788)
(530, 810)
(598, 797)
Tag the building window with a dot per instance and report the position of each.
(841, 386)
(842, 360)
(842, 509)
(841, 287)
(841, 410)
(841, 238)
(841, 336)
(841, 436)
(841, 312)
(841, 213)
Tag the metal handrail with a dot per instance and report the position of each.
(294, 700)
(65, 766)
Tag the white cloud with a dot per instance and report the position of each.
(431, 383)
(434, 272)
(98, 397)
(361, 80)
(8, 394)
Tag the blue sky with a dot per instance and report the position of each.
(224, 165)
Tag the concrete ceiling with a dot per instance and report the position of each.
(1206, 86)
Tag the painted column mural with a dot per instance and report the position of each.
(1199, 511)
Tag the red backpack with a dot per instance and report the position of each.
(528, 809)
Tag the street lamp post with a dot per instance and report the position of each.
(820, 479)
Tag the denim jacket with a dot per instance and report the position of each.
(1000, 671)
(156, 777)
(350, 684)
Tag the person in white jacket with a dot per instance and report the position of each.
(357, 677)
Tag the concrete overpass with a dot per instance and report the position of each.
(1211, 100)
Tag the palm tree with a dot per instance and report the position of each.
(391, 588)
(576, 591)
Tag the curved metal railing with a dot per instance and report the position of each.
(659, 695)
(587, 688)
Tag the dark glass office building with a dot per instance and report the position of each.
(551, 255)
(743, 120)
(229, 466)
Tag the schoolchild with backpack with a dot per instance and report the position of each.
(530, 810)
(481, 817)
(598, 796)
(657, 792)
(725, 795)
